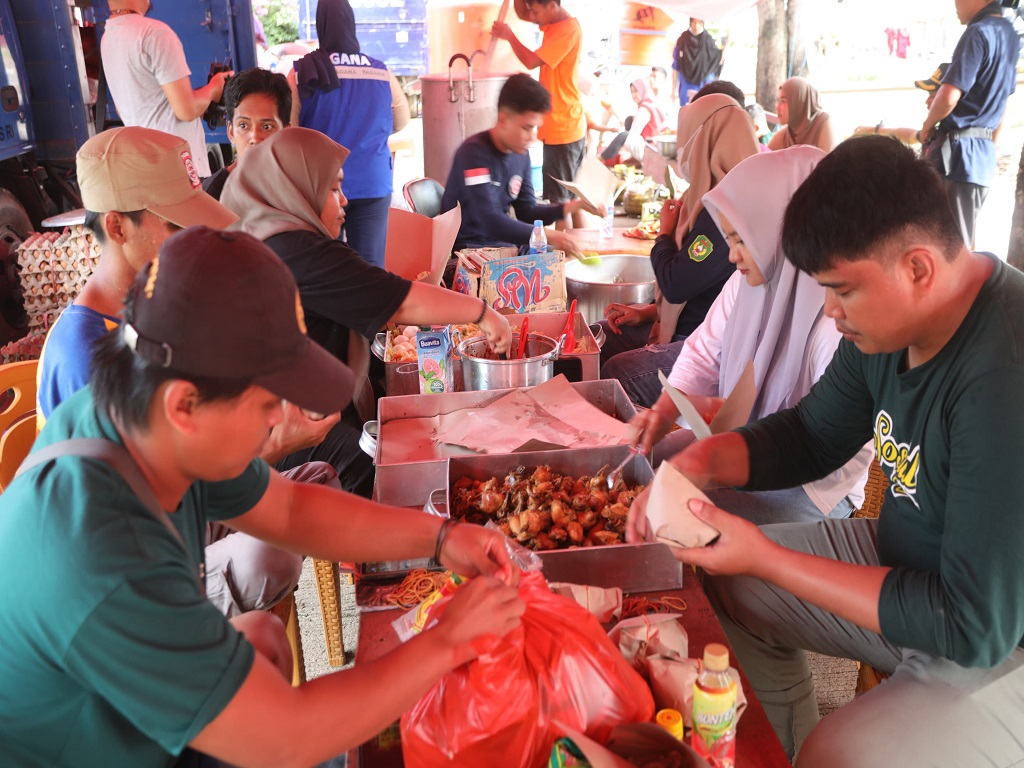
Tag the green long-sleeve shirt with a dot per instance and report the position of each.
(950, 436)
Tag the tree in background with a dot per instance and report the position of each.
(781, 53)
(280, 20)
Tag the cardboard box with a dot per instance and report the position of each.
(418, 247)
(513, 283)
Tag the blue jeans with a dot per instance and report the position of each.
(637, 370)
(366, 228)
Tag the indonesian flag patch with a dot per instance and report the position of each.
(476, 176)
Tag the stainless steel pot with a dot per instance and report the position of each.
(666, 145)
(622, 278)
(482, 370)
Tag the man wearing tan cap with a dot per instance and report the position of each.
(931, 86)
(139, 187)
(111, 655)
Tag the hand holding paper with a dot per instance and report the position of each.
(668, 511)
(697, 425)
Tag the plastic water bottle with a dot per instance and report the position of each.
(538, 240)
(714, 709)
(608, 223)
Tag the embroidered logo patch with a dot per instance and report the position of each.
(190, 169)
(514, 185)
(700, 248)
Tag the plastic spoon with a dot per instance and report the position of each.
(524, 332)
(570, 330)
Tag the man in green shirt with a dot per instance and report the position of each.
(112, 656)
(932, 368)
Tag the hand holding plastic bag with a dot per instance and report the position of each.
(559, 665)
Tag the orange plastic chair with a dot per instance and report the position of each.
(17, 416)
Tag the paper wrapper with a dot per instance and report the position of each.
(605, 604)
(668, 510)
(658, 648)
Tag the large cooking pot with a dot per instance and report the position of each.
(482, 369)
(616, 277)
(666, 144)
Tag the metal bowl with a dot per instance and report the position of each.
(666, 145)
(618, 277)
(482, 369)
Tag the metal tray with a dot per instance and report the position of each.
(631, 567)
(604, 394)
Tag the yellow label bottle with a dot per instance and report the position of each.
(714, 709)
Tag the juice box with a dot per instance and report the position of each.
(434, 356)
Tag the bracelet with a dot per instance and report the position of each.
(442, 535)
(483, 311)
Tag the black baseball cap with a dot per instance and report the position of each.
(934, 82)
(222, 304)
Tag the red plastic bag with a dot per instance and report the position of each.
(501, 709)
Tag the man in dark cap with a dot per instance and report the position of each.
(115, 654)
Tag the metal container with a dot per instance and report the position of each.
(618, 277)
(455, 107)
(666, 144)
(552, 324)
(631, 567)
(599, 335)
(481, 371)
(408, 484)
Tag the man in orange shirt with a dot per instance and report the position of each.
(564, 130)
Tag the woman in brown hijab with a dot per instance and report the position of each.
(690, 257)
(801, 118)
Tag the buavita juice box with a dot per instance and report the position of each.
(434, 356)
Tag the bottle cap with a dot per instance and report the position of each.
(671, 721)
(716, 657)
(538, 223)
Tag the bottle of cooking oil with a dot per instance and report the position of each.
(714, 709)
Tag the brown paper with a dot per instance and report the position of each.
(637, 744)
(418, 247)
(604, 603)
(735, 411)
(668, 510)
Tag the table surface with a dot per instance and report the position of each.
(591, 240)
(756, 743)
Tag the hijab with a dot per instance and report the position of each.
(714, 134)
(643, 89)
(700, 56)
(771, 323)
(281, 184)
(808, 122)
(336, 31)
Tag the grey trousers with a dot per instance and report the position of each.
(244, 573)
(930, 712)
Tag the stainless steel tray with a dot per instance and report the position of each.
(631, 567)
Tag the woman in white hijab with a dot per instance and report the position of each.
(764, 341)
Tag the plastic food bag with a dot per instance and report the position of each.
(558, 666)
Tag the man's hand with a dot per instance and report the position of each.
(484, 606)
(217, 84)
(496, 329)
(502, 31)
(579, 204)
(628, 314)
(472, 550)
(739, 549)
(295, 432)
(561, 240)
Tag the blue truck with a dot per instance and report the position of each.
(49, 83)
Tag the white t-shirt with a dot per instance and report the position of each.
(696, 372)
(140, 56)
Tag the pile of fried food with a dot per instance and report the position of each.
(545, 510)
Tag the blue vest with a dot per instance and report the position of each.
(357, 115)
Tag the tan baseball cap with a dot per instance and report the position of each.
(134, 169)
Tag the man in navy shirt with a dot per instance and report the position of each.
(491, 173)
(968, 109)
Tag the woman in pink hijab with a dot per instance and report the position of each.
(648, 122)
(801, 118)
